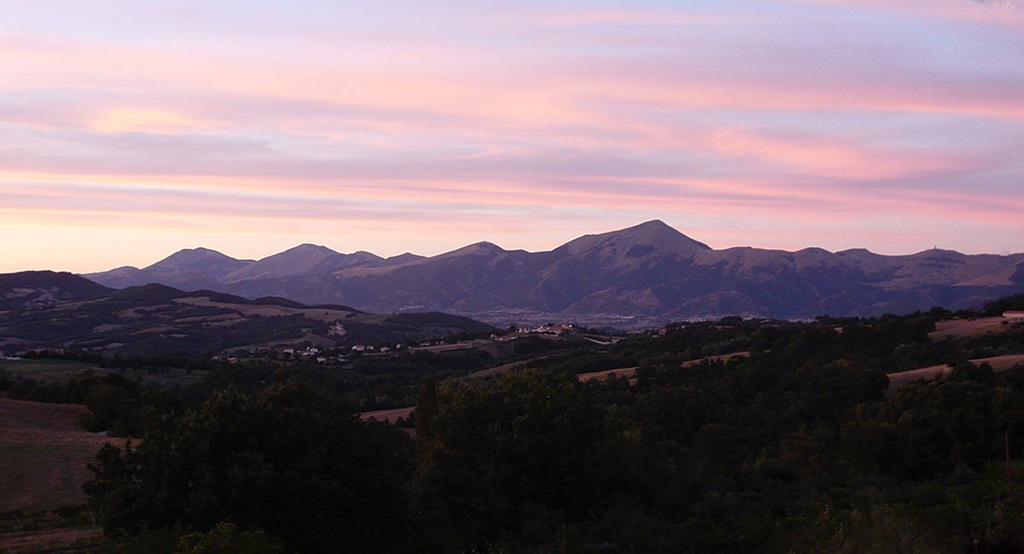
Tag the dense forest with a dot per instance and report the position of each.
(795, 443)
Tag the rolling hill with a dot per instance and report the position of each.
(45, 310)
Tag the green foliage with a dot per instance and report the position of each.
(520, 455)
(997, 307)
(797, 445)
(116, 404)
(285, 460)
(227, 538)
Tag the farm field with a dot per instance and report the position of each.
(998, 363)
(49, 370)
(969, 327)
(43, 464)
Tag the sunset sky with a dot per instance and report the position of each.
(130, 130)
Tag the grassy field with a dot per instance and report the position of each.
(998, 363)
(961, 328)
(44, 370)
(43, 455)
(388, 416)
(43, 464)
(969, 327)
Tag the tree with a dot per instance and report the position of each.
(518, 455)
(227, 538)
(285, 460)
(426, 410)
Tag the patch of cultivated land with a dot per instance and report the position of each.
(393, 415)
(51, 540)
(720, 358)
(437, 348)
(962, 328)
(627, 372)
(45, 370)
(998, 363)
(389, 416)
(498, 370)
(43, 465)
(969, 327)
(267, 310)
(59, 371)
(43, 455)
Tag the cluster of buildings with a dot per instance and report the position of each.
(558, 329)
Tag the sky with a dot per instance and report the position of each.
(130, 130)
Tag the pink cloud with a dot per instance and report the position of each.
(736, 113)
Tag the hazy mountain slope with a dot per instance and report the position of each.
(189, 269)
(160, 320)
(646, 274)
(303, 259)
(40, 289)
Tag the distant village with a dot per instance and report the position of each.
(344, 354)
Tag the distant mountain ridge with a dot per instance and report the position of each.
(643, 275)
(46, 309)
(42, 289)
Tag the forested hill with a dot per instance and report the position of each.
(727, 436)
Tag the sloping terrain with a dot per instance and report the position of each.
(637, 277)
(160, 320)
(41, 289)
(951, 329)
(43, 464)
(43, 455)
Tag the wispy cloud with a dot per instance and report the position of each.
(811, 121)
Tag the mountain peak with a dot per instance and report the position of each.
(294, 261)
(651, 235)
(657, 231)
(652, 224)
(483, 248)
(191, 256)
(307, 247)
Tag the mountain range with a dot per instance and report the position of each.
(46, 309)
(644, 275)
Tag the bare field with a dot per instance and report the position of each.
(719, 358)
(267, 310)
(627, 372)
(46, 370)
(51, 540)
(998, 363)
(43, 455)
(43, 465)
(388, 416)
(969, 327)
(464, 345)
